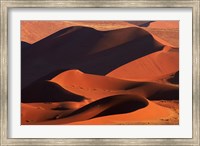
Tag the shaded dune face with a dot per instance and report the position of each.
(167, 94)
(174, 79)
(47, 92)
(25, 44)
(111, 105)
(75, 47)
(157, 91)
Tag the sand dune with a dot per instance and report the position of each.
(75, 47)
(166, 30)
(169, 35)
(95, 95)
(106, 106)
(74, 85)
(33, 114)
(47, 92)
(146, 114)
(152, 114)
(153, 67)
(164, 24)
(99, 72)
(33, 31)
(86, 85)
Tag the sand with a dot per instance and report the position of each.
(100, 73)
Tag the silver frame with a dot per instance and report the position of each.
(6, 4)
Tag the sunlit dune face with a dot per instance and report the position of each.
(151, 67)
(164, 24)
(100, 72)
(166, 30)
(33, 31)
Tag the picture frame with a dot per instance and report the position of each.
(4, 91)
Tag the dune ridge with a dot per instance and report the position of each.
(106, 106)
(86, 85)
(148, 115)
(33, 31)
(76, 51)
(111, 96)
(153, 67)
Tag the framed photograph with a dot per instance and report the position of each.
(100, 72)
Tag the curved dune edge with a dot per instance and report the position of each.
(152, 114)
(157, 38)
(153, 67)
(95, 87)
(106, 48)
(40, 31)
(112, 105)
(33, 31)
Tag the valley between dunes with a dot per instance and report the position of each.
(99, 73)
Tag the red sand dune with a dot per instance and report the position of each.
(84, 76)
(166, 30)
(153, 67)
(164, 24)
(33, 31)
(106, 106)
(104, 96)
(86, 85)
(75, 47)
(151, 114)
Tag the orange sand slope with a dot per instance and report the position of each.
(99, 73)
(166, 30)
(155, 66)
(75, 47)
(151, 114)
(86, 85)
(164, 24)
(110, 96)
(33, 31)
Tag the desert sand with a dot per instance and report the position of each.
(42, 29)
(99, 73)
